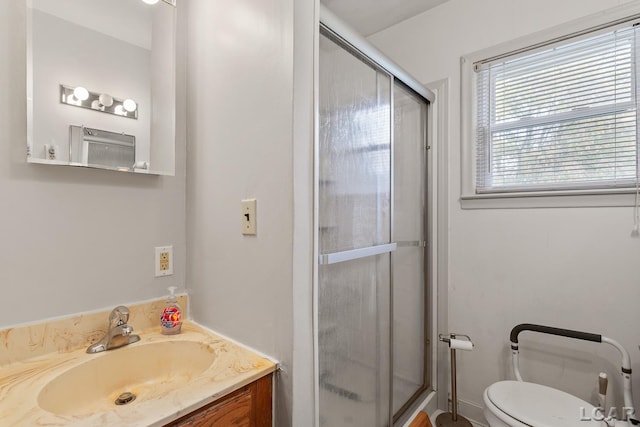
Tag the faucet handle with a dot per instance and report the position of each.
(121, 314)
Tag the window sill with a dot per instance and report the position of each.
(550, 199)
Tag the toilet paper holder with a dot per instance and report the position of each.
(455, 343)
(452, 419)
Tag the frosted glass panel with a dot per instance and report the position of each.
(354, 343)
(409, 158)
(408, 260)
(408, 325)
(355, 151)
(354, 319)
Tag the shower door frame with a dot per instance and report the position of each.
(427, 380)
(357, 45)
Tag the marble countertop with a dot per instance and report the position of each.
(234, 366)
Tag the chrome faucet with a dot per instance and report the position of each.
(118, 334)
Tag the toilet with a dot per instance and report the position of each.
(524, 404)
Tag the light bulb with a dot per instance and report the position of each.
(119, 110)
(129, 105)
(150, 1)
(81, 93)
(106, 99)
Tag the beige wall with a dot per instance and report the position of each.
(574, 268)
(75, 239)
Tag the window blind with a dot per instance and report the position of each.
(564, 117)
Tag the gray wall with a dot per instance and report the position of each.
(76, 239)
(240, 124)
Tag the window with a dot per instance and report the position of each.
(559, 117)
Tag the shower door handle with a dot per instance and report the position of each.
(336, 257)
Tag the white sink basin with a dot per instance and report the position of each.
(146, 370)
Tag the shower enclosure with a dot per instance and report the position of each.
(372, 335)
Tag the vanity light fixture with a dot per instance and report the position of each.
(150, 1)
(79, 96)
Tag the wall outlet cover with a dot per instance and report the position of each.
(51, 152)
(164, 261)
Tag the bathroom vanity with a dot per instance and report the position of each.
(195, 378)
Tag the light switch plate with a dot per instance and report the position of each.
(164, 261)
(249, 217)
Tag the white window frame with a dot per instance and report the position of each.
(531, 199)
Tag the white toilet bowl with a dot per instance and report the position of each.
(522, 404)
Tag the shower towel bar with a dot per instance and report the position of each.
(336, 257)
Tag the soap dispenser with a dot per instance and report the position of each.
(171, 316)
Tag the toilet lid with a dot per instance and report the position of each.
(540, 406)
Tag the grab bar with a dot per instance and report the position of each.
(553, 331)
(626, 359)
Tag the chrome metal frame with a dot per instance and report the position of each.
(427, 380)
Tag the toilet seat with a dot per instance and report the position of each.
(536, 405)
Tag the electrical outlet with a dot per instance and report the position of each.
(164, 261)
(249, 217)
(51, 151)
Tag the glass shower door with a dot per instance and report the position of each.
(410, 374)
(354, 273)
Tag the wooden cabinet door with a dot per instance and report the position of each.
(235, 412)
(249, 406)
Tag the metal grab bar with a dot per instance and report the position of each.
(625, 370)
(552, 331)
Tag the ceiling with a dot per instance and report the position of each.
(122, 19)
(370, 16)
